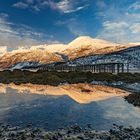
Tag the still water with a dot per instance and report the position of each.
(52, 107)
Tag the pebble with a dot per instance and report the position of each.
(74, 132)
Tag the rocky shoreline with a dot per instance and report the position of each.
(74, 132)
(133, 99)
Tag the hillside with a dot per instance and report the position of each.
(85, 46)
(39, 56)
(130, 55)
(53, 48)
(83, 50)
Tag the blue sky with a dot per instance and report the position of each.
(29, 22)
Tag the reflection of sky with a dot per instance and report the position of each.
(119, 110)
(58, 111)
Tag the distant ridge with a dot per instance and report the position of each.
(80, 47)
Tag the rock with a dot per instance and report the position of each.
(80, 138)
(72, 133)
(76, 128)
(12, 134)
(21, 132)
(12, 128)
(89, 126)
(29, 125)
(28, 134)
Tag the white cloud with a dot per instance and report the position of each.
(4, 15)
(120, 31)
(67, 6)
(74, 27)
(101, 4)
(115, 25)
(120, 26)
(30, 1)
(135, 6)
(20, 5)
(19, 36)
(3, 50)
(135, 28)
(64, 6)
(132, 17)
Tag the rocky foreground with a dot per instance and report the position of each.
(134, 99)
(74, 132)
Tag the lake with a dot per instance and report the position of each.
(53, 107)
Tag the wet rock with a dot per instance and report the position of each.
(29, 125)
(76, 128)
(21, 132)
(12, 128)
(74, 132)
(89, 126)
(80, 137)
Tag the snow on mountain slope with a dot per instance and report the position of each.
(130, 55)
(51, 48)
(86, 41)
(82, 46)
(85, 46)
(133, 44)
(3, 50)
(39, 56)
(24, 65)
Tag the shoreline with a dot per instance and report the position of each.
(125, 81)
(74, 132)
(56, 78)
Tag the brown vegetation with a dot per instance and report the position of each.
(55, 78)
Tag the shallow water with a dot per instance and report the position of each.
(54, 107)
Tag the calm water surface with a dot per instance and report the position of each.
(53, 107)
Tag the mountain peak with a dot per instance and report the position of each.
(88, 38)
(83, 37)
(88, 41)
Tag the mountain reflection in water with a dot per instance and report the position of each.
(81, 93)
(52, 107)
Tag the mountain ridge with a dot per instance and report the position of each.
(80, 47)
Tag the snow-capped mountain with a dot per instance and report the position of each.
(130, 55)
(3, 50)
(82, 50)
(11, 59)
(85, 46)
(54, 48)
